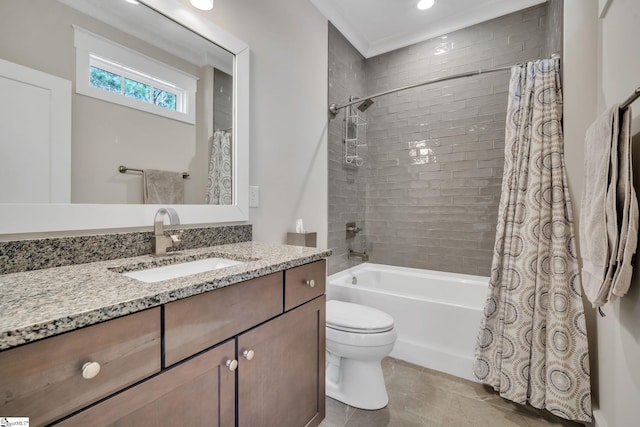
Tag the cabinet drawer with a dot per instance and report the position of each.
(197, 393)
(43, 380)
(297, 283)
(199, 322)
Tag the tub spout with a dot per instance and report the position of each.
(364, 256)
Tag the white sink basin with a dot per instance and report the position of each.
(158, 274)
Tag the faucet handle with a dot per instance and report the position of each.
(176, 239)
(352, 229)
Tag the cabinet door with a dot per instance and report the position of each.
(198, 392)
(283, 384)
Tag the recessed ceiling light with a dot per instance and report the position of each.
(425, 4)
(202, 4)
(132, 1)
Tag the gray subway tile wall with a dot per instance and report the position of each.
(554, 27)
(347, 184)
(427, 194)
(223, 100)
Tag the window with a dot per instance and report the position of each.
(112, 77)
(114, 73)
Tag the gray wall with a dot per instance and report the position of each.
(223, 100)
(433, 167)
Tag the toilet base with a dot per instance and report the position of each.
(359, 383)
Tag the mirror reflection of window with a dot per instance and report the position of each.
(145, 92)
(165, 126)
(130, 78)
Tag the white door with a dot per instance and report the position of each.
(35, 136)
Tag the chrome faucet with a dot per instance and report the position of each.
(159, 242)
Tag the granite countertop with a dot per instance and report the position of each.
(42, 303)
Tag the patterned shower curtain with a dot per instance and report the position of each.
(532, 343)
(219, 178)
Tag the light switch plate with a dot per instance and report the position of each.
(254, 196)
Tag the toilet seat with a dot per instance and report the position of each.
(356, 318)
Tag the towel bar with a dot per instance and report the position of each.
(629, 100)
(124, 169)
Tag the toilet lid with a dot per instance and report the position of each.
(349, 317)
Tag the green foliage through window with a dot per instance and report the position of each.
(164, 99)
(137, 90)
(115, 83)
(105, 80)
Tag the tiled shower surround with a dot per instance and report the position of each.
(428, 191)
(347, 184)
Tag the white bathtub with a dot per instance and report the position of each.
(436, 314)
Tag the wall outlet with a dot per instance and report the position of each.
(254, 196)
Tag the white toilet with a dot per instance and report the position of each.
(358, 337)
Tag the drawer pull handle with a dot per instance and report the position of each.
(248, 354)
(232, 364)
(311, 283)
(90, 370)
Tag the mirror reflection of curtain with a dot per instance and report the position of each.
(219, 177)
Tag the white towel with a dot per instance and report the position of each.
(609, 208)
(594, 236)
(627, 210)
(163, 187)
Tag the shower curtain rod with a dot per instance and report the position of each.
(333, 108)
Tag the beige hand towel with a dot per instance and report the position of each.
(163, 187)
(594, 234)
(628, 211)
(611, 209)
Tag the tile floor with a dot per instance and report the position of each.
(423, 397)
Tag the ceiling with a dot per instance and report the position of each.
(378, 26)
(162, 33)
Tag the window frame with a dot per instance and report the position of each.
(94, 50)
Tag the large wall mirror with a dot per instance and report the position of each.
(104, 90)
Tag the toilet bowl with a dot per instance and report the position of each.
(358, 337)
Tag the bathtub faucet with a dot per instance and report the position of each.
(364, 256)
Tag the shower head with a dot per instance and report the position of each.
(365, 104)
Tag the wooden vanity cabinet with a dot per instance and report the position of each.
(281, 375)
(251, 354)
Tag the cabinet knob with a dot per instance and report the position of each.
(232, 364)
(90, 370)
(248, 354)
(311, 283)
